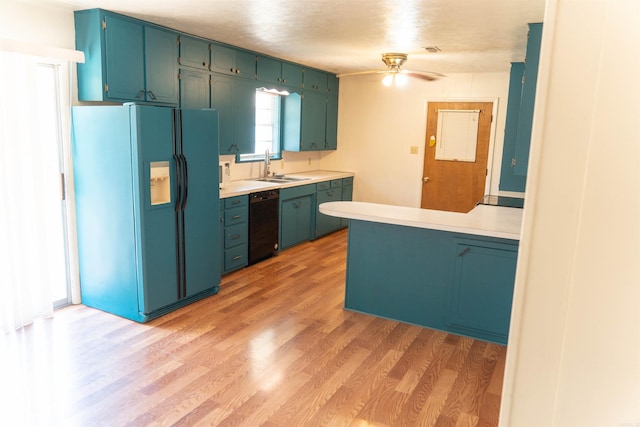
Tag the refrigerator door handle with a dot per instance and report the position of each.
(178, 206)
(185, 181)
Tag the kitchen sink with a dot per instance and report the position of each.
(282, 179)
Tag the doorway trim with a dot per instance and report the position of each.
(492, 135)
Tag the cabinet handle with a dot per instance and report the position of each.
(139, 95)
(464, 252)
(237, 257)
(152, 95)
(236, 217)
(235, 237)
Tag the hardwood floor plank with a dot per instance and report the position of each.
(275, 347)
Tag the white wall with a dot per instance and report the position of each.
(574, 346)
(23, 21)
(377, 125)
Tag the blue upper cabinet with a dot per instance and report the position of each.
(315, 80)
(279, 73)
(194, 53)
(125, 59)
(232, 61)
(509, 181)
(195, 88)
(519, 120)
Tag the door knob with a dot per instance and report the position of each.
(425, 179)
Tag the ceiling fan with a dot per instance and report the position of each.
(394, 72)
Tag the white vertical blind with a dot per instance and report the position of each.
(32, 259)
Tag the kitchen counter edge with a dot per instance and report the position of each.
(483, 220)
(248, 186)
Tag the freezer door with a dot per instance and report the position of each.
(152, 129)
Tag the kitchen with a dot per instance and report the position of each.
(382, 173)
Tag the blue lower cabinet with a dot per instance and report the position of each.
(326, 224)
(347, 196)
(296, 215)
(453, 282)
(234, 220)
(482, 288)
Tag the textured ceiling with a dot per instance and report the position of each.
(344, 36)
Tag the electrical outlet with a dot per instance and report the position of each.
(282, 164)
(413, 149)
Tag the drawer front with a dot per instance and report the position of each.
(235, 216)
(323, 185)
(234, 202)
(235, 258)
(336, 183)
(331, 195)
(347, 181)
(235, 235)
(299, 191)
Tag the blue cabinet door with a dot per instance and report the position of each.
(194, 53)
(295, 221)
(326, 224)
(331, 137)
(232, 61)
(482, 288)
(201, 200)
(508, 180)
(292, 75)
(235, 101)
(124, 59)
(269, 70)
(314, 106)
(194, 89)
(161, 76)
(315, 80)
(525, 120)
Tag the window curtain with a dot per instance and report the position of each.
(31, 258)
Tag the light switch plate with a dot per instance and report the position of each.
(413, 149)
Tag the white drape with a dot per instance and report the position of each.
(31, 244)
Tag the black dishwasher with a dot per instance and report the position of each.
(263, 225)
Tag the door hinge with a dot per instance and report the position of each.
(178, 40)
(522, 79)
(63, 187)
(513, 163)
(106, 87)
(104, 24)
(179, 76)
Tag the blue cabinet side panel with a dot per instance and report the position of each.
(101, 151)
(379, 282)
(200, 148)
(89, 41)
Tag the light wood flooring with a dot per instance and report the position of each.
(274, 348)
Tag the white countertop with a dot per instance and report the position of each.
(483, 220)
(247, 186)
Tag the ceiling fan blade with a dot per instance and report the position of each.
(428, 76)
(361, 73)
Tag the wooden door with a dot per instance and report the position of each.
(452, 185)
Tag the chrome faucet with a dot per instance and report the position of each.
(267, 162)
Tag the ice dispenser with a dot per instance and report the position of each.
(160, 183)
